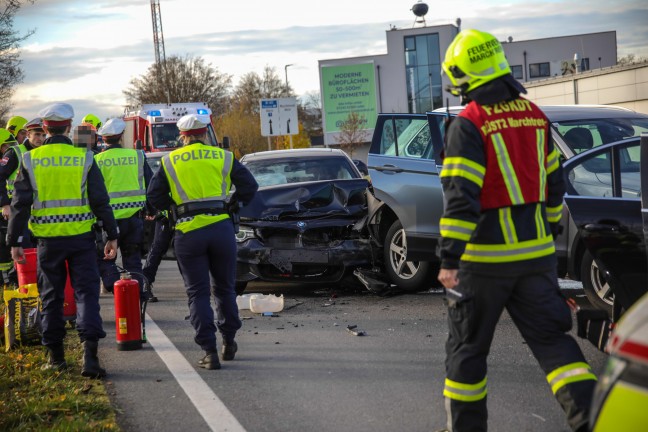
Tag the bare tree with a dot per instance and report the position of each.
(187, 79)
(310, 113)
(10, 71)
(631, 58)
(253, 87)
(353, 133)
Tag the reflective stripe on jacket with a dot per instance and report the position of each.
(19, 150)
(123, 173)
(58, 175)
(198, 173)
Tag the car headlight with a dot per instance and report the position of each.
(613, 369)
(245, 233)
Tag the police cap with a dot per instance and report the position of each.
(57, 114)
(193, 124)
(114, 126)
(35, 125)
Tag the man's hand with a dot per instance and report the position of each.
(6, 211)
(448, 277)
(110, 250)
(18, 254)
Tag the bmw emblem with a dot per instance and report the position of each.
(301, 225)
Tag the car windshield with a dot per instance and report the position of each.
(270, 172)
(167, 135)
(581, 135)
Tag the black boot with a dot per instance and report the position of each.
(91, 366)
(55, 358)
(210, 361)
(229, 350)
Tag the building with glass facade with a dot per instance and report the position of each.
(408, 78)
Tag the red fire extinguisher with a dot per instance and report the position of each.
(127, 313)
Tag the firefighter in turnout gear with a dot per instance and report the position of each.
(126, 174)
(503, 187)
(16, 125)
(9, 167)
(7, 269)
(196, 180)
(60, 191)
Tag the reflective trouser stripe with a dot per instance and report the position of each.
(571, 373)
(6, 266)
(465, 392)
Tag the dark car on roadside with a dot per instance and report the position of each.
(406, 202)
(613, 227)
(307, 221)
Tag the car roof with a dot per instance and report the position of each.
(558, 113)
(278, 154)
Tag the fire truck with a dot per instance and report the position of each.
(152, 127)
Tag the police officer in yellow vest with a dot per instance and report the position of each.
(60, 192)
(126, 174)
(503, 187)
(196, 181)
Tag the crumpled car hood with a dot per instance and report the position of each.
(308, 200)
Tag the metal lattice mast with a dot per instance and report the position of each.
(158, 37)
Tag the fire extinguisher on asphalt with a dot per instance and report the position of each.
(128, 321)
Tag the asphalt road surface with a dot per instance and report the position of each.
(302, 370)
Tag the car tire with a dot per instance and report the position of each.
(240, 287)
(406, 275)
(597, 289)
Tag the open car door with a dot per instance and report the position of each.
(612, 226)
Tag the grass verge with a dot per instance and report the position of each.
(33, 399)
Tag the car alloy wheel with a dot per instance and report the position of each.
(596, 287)
(407, 275)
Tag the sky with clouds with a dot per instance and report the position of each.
(86, 52)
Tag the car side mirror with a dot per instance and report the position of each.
(138, 144)
(226, 143)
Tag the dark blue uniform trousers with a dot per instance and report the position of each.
(80, 254)
(131, 235)
(160, 244)
(207, 261)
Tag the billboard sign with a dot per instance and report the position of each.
(347, 89)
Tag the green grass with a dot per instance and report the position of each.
(33, 399)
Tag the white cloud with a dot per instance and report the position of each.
(89, 51)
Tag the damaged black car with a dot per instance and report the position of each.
(307, 221)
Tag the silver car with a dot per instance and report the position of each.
(407, 201)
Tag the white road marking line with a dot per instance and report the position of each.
(210, 407)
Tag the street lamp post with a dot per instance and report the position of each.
(286, 71)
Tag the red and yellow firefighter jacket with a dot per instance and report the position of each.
(503, 188)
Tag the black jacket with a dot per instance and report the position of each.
(8, 164)
(463, 197)
(23, 198)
